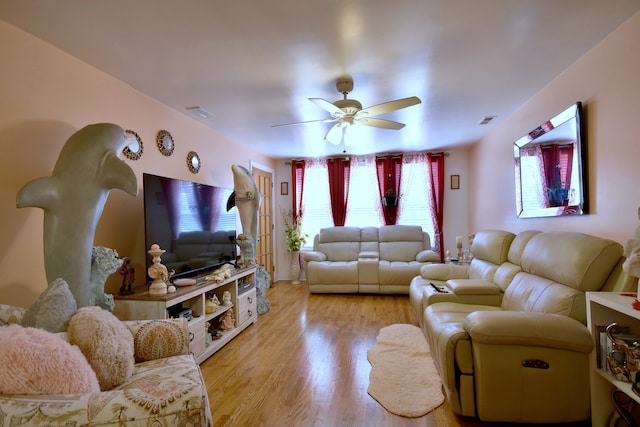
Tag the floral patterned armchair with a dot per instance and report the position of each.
(163, 390)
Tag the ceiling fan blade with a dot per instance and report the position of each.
(334, 135)
(380, 123)
(387, 107)
(327, 106)
(308, 121)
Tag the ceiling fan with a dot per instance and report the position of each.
(347, 112)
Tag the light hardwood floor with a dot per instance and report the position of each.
(305, 364)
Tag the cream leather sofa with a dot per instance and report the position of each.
(368, 259)
(525, 356)
(496, 261)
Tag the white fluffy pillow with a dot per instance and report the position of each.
(106, 343)
(34, 361)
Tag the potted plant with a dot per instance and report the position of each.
(391, 198)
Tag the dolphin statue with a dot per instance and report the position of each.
(247, 199)
(73, 198)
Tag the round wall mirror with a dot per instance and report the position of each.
(165, 143)
(134, 148)
(193, 162)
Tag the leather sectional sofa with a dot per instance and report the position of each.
(368, 259)
(508, 331)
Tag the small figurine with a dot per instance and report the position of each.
(246, 250)
(226, 298)
(128, 274)
(212, 304)
(158, 272)
(228, 320)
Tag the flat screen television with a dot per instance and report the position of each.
(190, 222)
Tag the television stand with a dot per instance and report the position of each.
(189, 301)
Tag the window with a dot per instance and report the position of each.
(316, 205)
(363, 203)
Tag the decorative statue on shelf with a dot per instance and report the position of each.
(104, 262)
(158, 272)
(128, 275)
(226, 298)
(247, 254)
(228, 320)
(212, 304)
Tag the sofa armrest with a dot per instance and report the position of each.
(473, 287)
(444, 272)
(428, 256)
(314, 256)
(369, 255)
(10, 314)
(528, 329)
(159, 338)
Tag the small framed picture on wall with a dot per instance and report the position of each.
(284, 188)
(455, 182)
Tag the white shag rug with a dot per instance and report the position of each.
(403, 378)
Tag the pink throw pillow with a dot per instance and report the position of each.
(34, 361)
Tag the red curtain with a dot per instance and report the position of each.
(557, 160)
(338, 170)
(297, 186)
(436, 171)
(565, 155)
(389, 170)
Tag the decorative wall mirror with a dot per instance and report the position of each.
(193, 162)
(134, 149)
(549, 167)
(165, 143)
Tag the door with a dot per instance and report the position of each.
(264, 249)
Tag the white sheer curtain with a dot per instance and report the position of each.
(415, 204)
(316, 203)
(533, 190)
(363, 207)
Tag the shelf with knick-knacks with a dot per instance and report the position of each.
(218, 308)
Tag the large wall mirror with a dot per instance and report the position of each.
(550, 170)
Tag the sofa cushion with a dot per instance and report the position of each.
(518, 244)
(529, 292)
(492, 245)
(369, 239)
(106, 343)
(35, 361)
(53, 308)
(400, 242)
(397, 272)
(578, 260)
(339, 243)
(337, 272)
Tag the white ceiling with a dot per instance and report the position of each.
(254, 64)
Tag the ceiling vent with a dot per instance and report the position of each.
(200, 112)
(486, 120)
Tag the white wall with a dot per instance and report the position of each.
(606, 80)
(47, 95)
